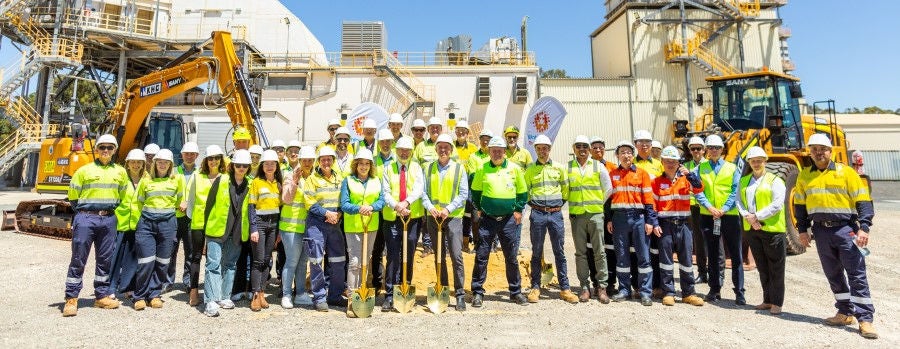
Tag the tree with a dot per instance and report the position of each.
(554, 74)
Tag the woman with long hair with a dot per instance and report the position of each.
(194, 205)
(293, 228)
(124, 263)
(264, 212)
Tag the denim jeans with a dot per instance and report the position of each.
(221, 261)
(296, 261)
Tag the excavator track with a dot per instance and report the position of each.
(45, 218)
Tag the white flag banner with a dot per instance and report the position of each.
(545, 117)
(367, 110)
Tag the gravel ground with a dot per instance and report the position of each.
(34, 272)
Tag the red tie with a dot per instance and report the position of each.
(402, 182)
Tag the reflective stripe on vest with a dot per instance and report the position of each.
(585, 192)
(160, 195)
(200, 187)
(437, 188)
(361, 194)
(217, 220)
(393, 175)
(763, 197)
(717, 187)
(293, 213)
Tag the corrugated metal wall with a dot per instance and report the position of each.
(882, 165)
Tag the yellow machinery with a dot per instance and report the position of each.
(763, 109)
(61, 155)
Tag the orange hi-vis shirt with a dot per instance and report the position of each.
(673, 197)
(631, 188)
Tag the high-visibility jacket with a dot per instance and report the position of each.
(673, 196)
(199, 190)
(392, 175)
(362, 144)
(548, 184)
(465, 150)
(717, 186)
(266, 195)
(475, 161)
(342, 169)
(833, 195)
(425, 152)
(499, 190)
(380, 163)
(186, 177)
(632, 188)
(350, 148)
(441, 191)
(586, 193)
(98, 187)
(519, 156)
(361, 194)
(652, 166)
(322, 191)
(129, 211)
(293, 213)
(763, 197)
(160, 195)
(217, 221)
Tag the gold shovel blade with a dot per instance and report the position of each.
(438, 299)
(362, 302)
(404, 302)
(547, 274)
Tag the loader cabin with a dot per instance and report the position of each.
(758, 100)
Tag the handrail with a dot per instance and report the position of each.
(26, 133)
(268, 61)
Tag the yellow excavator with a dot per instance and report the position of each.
(763, 109)
(61, 155)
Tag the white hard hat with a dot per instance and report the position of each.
(462, 123)
(277, 143)
(640, 135)
(327, 151)
(444, 138)
(581, 139)
(757, 152)
(819, 139)
(695, 141)
(150, 149)
(342, 130)
(405, 143)
(308, 152)
(714, 141)
(671, 153)
(363, 154)
(256, 149)
(164, 154)
(190, 147)
(656, 144)
(486, 132)
(435, 121)
(136, 154)
(385, 135)
(241, 157)
(269, 155)
(598, 140)
(295, 144)
(369, 123)
(625, 143)
(213, 150)
(542, 139)
(418, 123)
(109, 139)
(396, 118)
(334, 122)
(497, 142)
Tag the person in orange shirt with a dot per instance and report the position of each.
(672, 192)
(633, 219)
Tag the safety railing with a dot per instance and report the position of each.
(27, 133)
(20, 110)
(749, 8)
(269, 61)
(59, 49)
(716, 62)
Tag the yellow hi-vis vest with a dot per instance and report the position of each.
(161, 195)
(200, 185)
(717, 187)
(293, 213)
(416, 209)
(128, 212)
(585, 191)
(832, 192)
(361, 194)
(441, 191)
(98, 187)
(217, 220)
(325, 192)
(763, 196)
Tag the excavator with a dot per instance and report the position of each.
(763, 109)
(63, 154)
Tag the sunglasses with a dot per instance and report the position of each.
(106, 147)
(332, 129)
(512, 137)
(581, 146)
(342, 140)
(241, 165)
(216, 157)
(418, 130)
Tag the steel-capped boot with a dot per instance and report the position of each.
(839, 320)
(71, 307)
(107, 302)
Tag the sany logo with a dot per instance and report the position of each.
(541, 122)
(358, 125)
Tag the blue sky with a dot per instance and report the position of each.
(843, 50)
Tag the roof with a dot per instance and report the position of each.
(891, 120)
(752, 75)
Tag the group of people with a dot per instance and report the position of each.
(330, 206)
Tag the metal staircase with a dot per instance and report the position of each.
(416, 96)
(25, 140)
(697, 49)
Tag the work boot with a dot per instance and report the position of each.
(107, 302)
(621, 296)
(140, 305)
(657, 293)
(646, 301)
(71, 307)
(534, 295)
(601, 295)
(520, 299)
(461, 303)
(156, 303)
(254, 303)
(262, 300)
(568, 296)
(585, 295)
(388, 304)
(839, 320)
(693, 300)
(477, 300)
(194, 297)
(465, 246)
(867, 330)
(740, 300)
(713, 296)
(668, 300)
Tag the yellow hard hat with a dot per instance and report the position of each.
(511, 129)
(241, 133)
